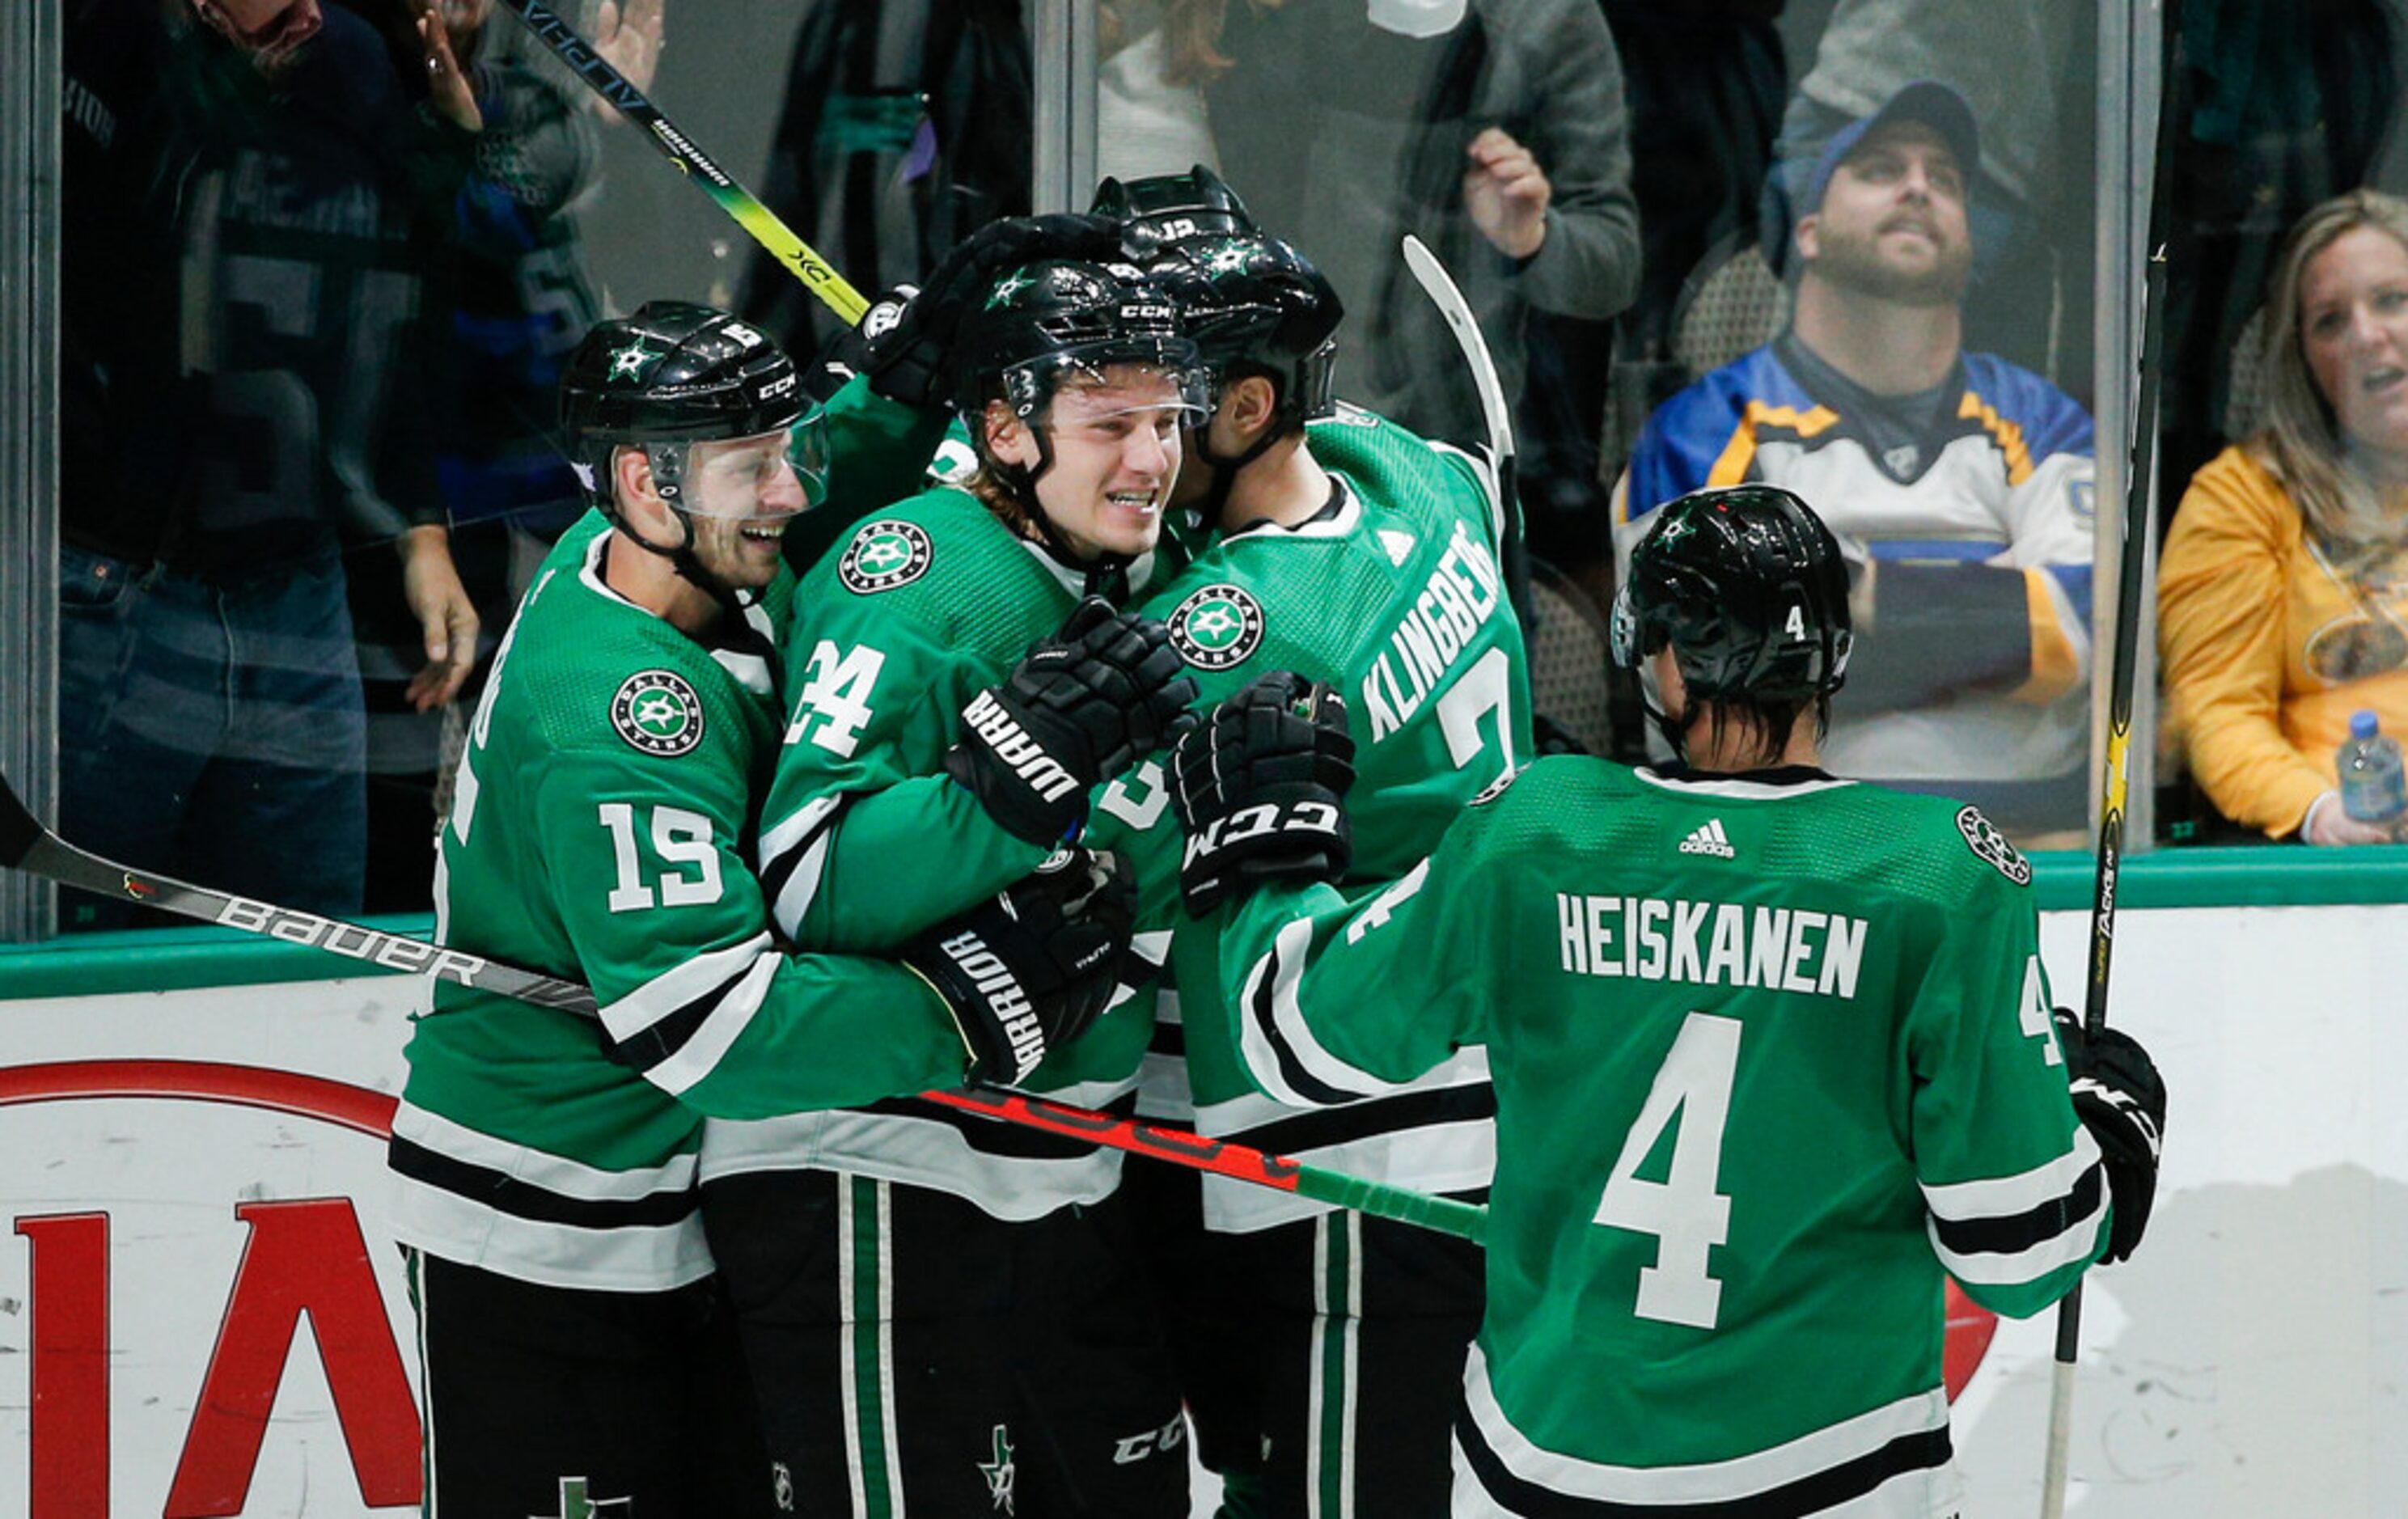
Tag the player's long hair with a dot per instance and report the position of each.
(2302, 443)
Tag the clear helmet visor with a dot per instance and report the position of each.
(1086, 397)
(768, 477)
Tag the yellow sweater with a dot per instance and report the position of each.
(2268, 643)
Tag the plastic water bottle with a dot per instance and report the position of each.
(2372, 790)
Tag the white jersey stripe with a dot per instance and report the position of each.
(1283, 968)
(921, 1152)
(665, 994)
(536, 1168)
(2078, 1243)
(632, 1258)
(2005, 1197)
(698, 1056)
(1711, 1481)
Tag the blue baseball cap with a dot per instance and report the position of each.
(1928, 101)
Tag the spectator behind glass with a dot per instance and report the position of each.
(242, 370)
(2283, 595)
(2023, 69)
(1492, 129)
(515, 300)
(1960, 484)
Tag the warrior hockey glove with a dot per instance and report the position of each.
(905, 338)
(2121, 1099)
(1260, 788)
(1104, 689)
(1029, 970)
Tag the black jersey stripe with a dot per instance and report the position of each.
(1004, 1141)
(490, 1188)
(778, 867)
(665, 1036)
(2011, 1234)
(1916, 1450)
(1261, 1006)
(1322, 1127)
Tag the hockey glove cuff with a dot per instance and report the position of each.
(2121, 1099)
(1086, 702)
(907, 337)
(1030, 969)
(1259, 787)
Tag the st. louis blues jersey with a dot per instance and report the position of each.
(1974, 505)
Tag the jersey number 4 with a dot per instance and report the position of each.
(1684, 1213)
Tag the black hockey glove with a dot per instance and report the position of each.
(1106, 688)
(906, 337)
(1029, 970)
(2121, 1099)
(1260, 788)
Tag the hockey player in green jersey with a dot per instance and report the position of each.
(1773, 1051)
(545, 1158)
(1319, 1347)
(931, 1307)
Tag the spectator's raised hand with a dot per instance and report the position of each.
(630, 38)
(1507, 193)
(447, 83)
(446, 616)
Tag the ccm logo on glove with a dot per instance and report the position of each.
(1260, 821)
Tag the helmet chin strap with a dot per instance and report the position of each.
(1107, 573)
(1224, 467)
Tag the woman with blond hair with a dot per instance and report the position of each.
(2283, 595)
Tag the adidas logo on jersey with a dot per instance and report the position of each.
(1399, 546)
(1708, 838)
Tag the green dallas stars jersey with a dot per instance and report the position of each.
(600, 832)
(1394, 598)
(865, 840)
(1768, 1057)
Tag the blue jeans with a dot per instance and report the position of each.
(211, 730)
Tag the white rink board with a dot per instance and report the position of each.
(2249, 1363)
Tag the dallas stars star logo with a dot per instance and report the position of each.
(883, 555)
(628, 363)
(1228, 258)
(1217, 627)
(1000, 1473)
(657, 712)
(1007, 287)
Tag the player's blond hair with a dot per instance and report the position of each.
(2302, 443)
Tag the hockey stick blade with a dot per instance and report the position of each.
(1444, 294)
(1447, 297)
(578, 55)
(44, 854)
(26, 845)
(18, 829)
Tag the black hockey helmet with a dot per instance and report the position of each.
(1253, 303)
(676, 373)
(1046, 321)
(1748, 587)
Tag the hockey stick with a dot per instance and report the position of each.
(815, 272)
(1440, 288)
(2131, 576)
(26, 845)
